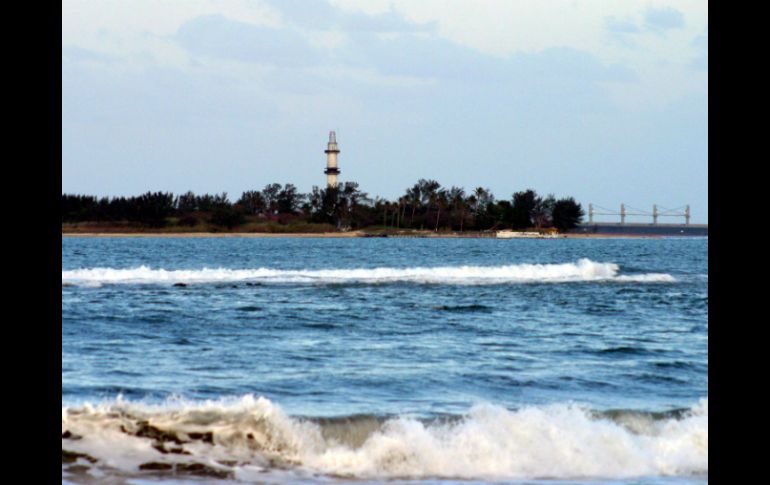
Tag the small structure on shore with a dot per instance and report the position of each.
(332, 169)
(508, 234)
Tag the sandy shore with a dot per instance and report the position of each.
(213, 234)
(350, 234)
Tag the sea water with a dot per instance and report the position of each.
(285, 360)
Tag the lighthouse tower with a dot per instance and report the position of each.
(332, 170)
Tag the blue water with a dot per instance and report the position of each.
(323, 345)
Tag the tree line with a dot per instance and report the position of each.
(425, 205)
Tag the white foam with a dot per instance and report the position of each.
(582, 270)
(490, 442)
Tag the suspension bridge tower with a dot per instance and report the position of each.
(332, 169)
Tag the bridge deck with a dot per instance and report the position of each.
(639, 228)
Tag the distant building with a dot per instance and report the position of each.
(332, 169)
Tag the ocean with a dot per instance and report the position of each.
(370, 360)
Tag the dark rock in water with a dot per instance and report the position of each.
(160, 447)
(78, 469)
(197, 469)
(154, 465)
(202, 470)
(68, 435)
(207, 437)
(146, 430)
(72, 456)
(176, 451)
(181, 285)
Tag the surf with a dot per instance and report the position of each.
(244, 437)
(583, 270)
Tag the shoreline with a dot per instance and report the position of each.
(214, 234)
(334, 235)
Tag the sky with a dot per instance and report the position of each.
(604, 101)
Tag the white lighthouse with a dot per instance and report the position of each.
(332, 170)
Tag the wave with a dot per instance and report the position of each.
(246, 437)
(582, 270)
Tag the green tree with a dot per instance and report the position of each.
(288, 199)
(226, 216)
(252, 202)
(439, 200)
(456, 197)
(270, 194)
(186, 203)
(566, 214)
(152, 208)
(413, 198)
(523, 208)
(482, 203)
(542, 214)
(350, 201)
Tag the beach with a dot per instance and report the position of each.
(325, 235)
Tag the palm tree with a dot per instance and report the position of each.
(483, 197)
(543, 211)
(413, 196)
(456, 197)
(440, 200)
(428, 191)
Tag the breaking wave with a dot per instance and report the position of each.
(582, 270)
(245, 437)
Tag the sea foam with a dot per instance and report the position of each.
(251, 435)
(582, 270)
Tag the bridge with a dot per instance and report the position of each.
(654, 227)
(683, 211)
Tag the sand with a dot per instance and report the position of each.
(349, 234)
(213, 234)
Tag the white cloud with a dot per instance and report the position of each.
(141, 33)
(138, 29)
(504, 27)
(159, 17)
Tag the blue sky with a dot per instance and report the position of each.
(605, 101)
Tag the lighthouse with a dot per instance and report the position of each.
(332, 170)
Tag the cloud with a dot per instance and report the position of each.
(320, 15)
(432, 57)
(78, 54)
(701, 43)
(393, 55)
(664, 18)
(620, 26)
(218, 37)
